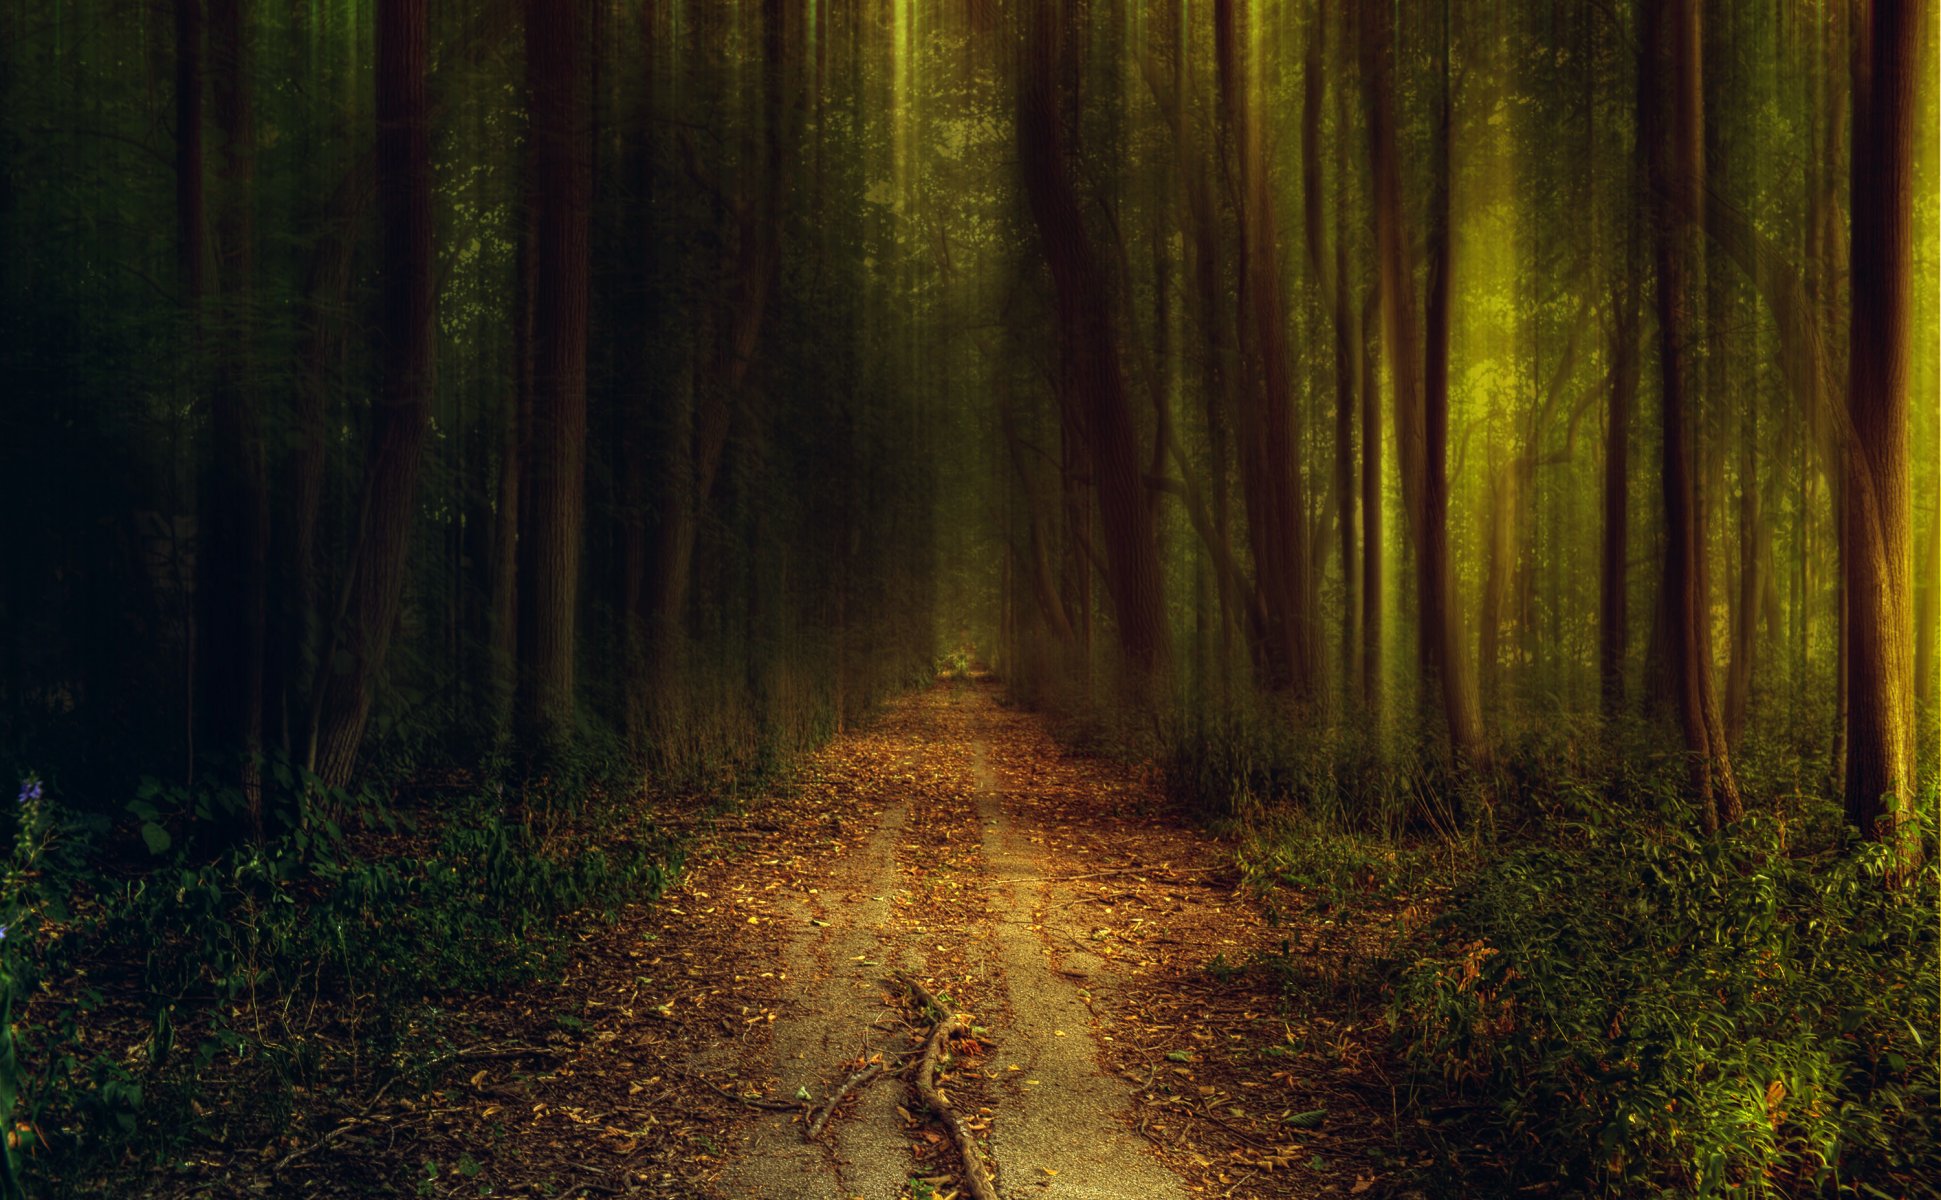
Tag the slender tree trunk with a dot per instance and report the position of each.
(1088, 341)
(403, 405)
(1332, 271)
(1675, 126)
(550, 544)
(234, 557)
(191, 249)
(1270, 466)
(1419, 371)
(1878, 531)
(191, 255)
(514, 496)
(1613, 589)
(297, 634)
(1745, 609)
(1371, 507)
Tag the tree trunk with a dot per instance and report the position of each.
(1877, 533)
(234, 556)
(549, 589)
(1419, 371)
(297, 634)
(402, 409)
(191, 254)
(190, 248)
(1745, 608)
(1675, 123)
(1332, 272)
(514, 496)
(1371, 508)
(1613, 587)
(1271, 479)
(1088, 342)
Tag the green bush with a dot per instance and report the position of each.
(1665, 1014)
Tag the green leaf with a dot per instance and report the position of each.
(1178, 1056)
(1306, 1120)
(157, 838)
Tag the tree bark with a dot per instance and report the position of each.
(1673, 95)
(402, 410)
(1877, 532)
(1927, 617)
(550, 545)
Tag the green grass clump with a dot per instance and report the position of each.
(1668, 1014)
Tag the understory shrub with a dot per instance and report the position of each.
(1670, 1014)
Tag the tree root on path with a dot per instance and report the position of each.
(947, 1024)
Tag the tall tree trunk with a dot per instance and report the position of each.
(191, 255)
(1878, 530)
(234, 557)
(191, 250)
(1332, 272)
(1745, 608)
(703, 413)
(514, 494)
(1271, 477)
(1088, 342)
(1672, 91)
(550, 545)
(403, 404)
(1613, 586)
(1419, 370)
(1371, 507)
(297, 629)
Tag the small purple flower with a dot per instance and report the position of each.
(30, 789)
(3, 933)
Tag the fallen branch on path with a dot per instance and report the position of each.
(856, 1080)
(947, 1024)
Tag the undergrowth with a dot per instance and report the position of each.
(1610, 1002)
(1690, 1016)
(135, 989)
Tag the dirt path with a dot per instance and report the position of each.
(1140, 1026)
(921, 894)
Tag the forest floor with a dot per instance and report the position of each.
(1137, 1023)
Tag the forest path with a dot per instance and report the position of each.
(1142, 1025)
(956, 887)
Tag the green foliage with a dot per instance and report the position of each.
(229, 947)
(1673, 1015)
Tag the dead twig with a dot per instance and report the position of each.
(856, 1080)
(750, 1101)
